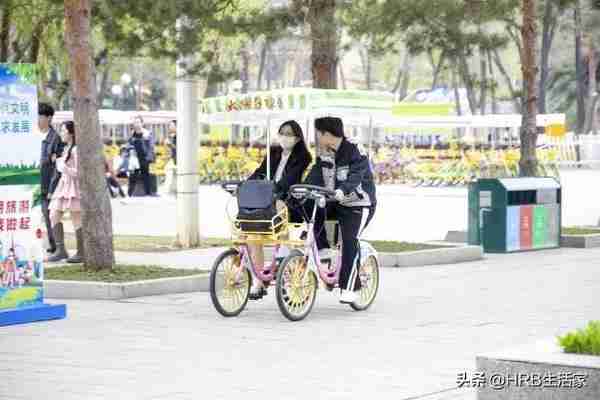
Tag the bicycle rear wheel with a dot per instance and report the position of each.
(296, 287)
(368, 274)
(229, 287)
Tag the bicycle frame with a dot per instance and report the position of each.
(246, 262)
(311, 252)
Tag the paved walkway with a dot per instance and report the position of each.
(426, 326)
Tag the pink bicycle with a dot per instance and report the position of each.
(299, 272)
(234, 270)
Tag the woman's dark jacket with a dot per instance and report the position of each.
(293, 172)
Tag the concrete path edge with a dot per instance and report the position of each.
(448, 255)
(56, 289)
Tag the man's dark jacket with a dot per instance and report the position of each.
(52, 144)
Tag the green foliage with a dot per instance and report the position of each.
(401, 247)
(576, 230)
(149, 28)
(27, 72)
(583, 341)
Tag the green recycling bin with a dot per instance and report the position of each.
(514, 214)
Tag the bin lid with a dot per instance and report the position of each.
(514, 184)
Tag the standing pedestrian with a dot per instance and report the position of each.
(67, 197)
(52, 148)
(141, 155)
(172, 140)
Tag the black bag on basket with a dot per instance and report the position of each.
(256, 202)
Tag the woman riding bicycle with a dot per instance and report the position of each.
(289, 160)
(344, 169)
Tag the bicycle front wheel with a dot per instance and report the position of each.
(229, 284)
(296, 287)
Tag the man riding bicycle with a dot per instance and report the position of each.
(344, 169)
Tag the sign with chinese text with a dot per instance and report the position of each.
(21, 251)
(19, 140)
(21, 255)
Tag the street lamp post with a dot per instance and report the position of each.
(188, 232)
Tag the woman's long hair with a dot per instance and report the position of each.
(297, 133)
(70, 126)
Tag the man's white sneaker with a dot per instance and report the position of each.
(348, 296)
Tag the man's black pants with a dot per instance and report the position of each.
(46, 213)
(352, 221)
(144, 174)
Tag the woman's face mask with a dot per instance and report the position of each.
(286, 138)
(287, 142)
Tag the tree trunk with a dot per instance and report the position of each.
(261, 68)
(342, 75)
(592, 68)
(528, 161)
(516, 97)
(405, 77)
(402, 71)
(245, 72)
(459, 111)
(35, 44)
(104, 85)
(467, 80)
(324, 44)
(437, 68)
(484, 81)
(493, 83)
(369, 72)
(579, 69)
(547, 33)
(5, 31)
(365, 59)
(590, 123)
(95, 204)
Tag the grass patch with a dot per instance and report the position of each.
(121, 273)
(384, 246)
(163, 244)
(151, 244)
(583, 341)
(576, 230)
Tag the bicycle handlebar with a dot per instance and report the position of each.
(307, 190)
(231, 186)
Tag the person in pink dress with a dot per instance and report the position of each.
(66, 197)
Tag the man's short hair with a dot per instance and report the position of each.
(45, 109)
(333, 125)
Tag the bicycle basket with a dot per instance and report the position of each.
(257, 212)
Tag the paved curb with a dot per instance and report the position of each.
(580, 241)
(541, 359)
(115, 291)
(450, 255)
